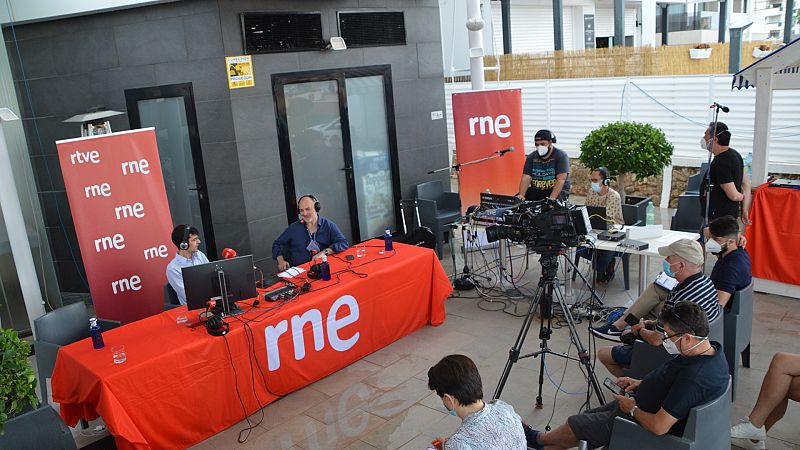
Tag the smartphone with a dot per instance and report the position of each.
(631, 320)
(609, 383)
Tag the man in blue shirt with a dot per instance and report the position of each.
(731, 272)
(187, 239)
(309, 238)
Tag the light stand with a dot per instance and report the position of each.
(717, 107)
(547, 292)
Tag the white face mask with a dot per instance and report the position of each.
(542, 149)
(704, 144)
(670, 347)
(596, 186)
(713, 247)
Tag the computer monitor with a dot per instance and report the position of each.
(598, 216)
(202, 282)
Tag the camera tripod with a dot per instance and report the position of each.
(547, 292)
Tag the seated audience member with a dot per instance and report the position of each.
(309, 238)
(187, 239)
(484, 426)
(603, 196)
(684, 262)
(662, 400)
(731, 272)
(781, 383)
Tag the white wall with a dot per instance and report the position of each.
(455, 42)
(577, 106)
(532, 28)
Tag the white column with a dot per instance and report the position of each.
(649, 23)
(761, 124)
(15, 224)
(475, 26)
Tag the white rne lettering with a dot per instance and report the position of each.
(140, 166)
(156, 252)
(79, 157)
(488, 125)
(98, 189)
(125, 211)
(133, 283)
(298, 322)
(314, 317)
(334, 324)
(108, 242)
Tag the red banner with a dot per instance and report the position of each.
(122, 219)
(486, 122)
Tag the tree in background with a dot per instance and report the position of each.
(627, 148)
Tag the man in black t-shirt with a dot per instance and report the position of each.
(662, 400)
(730, 188)
(546, 170)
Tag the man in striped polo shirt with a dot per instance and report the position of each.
(684, 262)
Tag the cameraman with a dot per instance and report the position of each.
(546, 171)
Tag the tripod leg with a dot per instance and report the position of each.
(544, 336)
(583, 355)
(513, 354)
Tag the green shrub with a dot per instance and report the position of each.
(627, 147)
(17, 380)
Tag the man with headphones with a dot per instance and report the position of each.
(187, 239)
(730, 185)
(309, 238)
(603, 196)
(546, 170)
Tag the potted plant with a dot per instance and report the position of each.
(761, 51)
(22, 424)
(627, 148)
(700, 51)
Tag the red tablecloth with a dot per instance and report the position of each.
(177, 386)
(773, 240)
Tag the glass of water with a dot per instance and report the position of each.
(361, 251)
(118, 353)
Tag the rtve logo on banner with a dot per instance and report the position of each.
(314, 317)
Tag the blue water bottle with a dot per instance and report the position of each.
(325, 269)
(95, 333)
(387, 240)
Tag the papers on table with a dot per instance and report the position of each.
(291, 272)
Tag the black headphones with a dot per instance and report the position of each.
(550, 136)
(605, 174)
(184, 245)
(216, 326)
(317, 205)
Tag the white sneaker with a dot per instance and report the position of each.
(747, 436)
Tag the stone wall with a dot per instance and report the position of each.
(645, 187)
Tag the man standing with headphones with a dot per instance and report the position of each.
(187, 239)
(309, 238)
(546, 170)
(600, 194)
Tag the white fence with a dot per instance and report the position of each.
(678, 105)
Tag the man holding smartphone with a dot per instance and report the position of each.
(660, 402)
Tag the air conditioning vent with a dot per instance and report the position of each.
(369, 29)
(269, 32)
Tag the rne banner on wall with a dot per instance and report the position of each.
(119, 206)
(486, 122)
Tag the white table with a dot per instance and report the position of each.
(668, 237)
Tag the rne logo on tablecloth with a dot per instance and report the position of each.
(314, 317)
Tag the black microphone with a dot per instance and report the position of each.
(718, 106)
(505, 150)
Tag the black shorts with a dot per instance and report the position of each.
(595, 425)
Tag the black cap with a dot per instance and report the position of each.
(546, 135)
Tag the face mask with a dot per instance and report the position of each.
(714, 248)
(704, 144)
(542, 149)
(667, 268)
(452, 412)
(596, 186)
(670, 347)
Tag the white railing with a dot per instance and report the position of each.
(679, 105)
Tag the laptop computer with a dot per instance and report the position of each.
(597, 216)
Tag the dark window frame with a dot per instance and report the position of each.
(242, 15)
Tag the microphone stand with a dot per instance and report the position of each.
(717, 107)
(457, 167)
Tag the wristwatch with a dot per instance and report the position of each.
(634, 410)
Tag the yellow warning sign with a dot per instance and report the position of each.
(240, 71)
